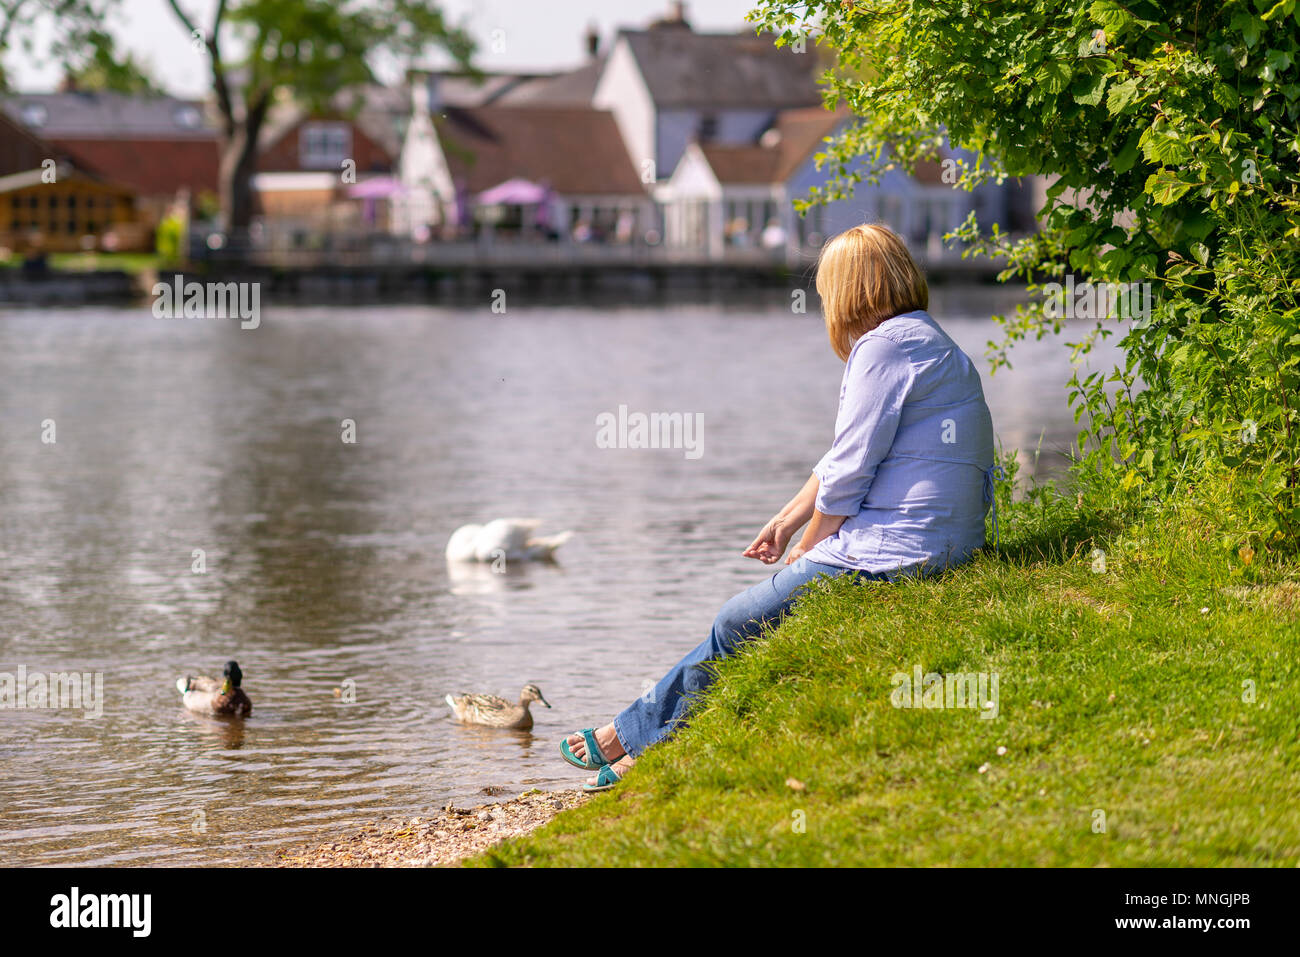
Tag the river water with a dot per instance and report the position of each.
(322, 560)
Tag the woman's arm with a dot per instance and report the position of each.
(822, 526)
(770, 544)
(876, 383)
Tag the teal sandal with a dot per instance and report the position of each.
(605, 780)
(592, 749)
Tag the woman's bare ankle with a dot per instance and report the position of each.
(610, 746)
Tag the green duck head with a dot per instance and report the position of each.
(233, 675)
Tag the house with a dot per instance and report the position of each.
(572, 156)
(48, 205)
(576, 87)
(310, 163)
(668, 86)
(155, 146)
(721, 196)
(724, 195)
(336, 171)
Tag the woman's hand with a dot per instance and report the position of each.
(770, 544)
(796, 553)
(776, 534)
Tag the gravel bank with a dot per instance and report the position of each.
(443, 840)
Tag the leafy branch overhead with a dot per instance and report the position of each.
(1168, 132)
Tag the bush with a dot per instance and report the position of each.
(168, 239)
(1170, 132)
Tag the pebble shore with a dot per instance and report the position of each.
(443, 840)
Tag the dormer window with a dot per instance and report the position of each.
(34, 114)
(324, 145)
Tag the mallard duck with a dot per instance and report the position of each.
(497, 712)
(209, 696)
(511, 539)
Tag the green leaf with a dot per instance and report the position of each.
(1109, 14)
(1165, 188)
(1089, 90)
(1128, 155)
(1122, 96)
(1053, 75)
(1279, 61)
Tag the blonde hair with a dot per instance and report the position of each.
(865, 275)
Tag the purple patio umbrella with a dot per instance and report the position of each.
(377, 187)
(513, 192)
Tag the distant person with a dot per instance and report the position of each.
(625, 226)
(737, 232)
(773, 235)
(903, 490)
(36, 265)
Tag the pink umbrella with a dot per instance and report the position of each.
(377, 187)
(513, 192)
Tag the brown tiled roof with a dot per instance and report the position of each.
(576, 150)
(795, 136)
(21, 150)
(152, 167)
(738, 165)
(928, 172)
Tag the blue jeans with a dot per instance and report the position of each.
(657, 713)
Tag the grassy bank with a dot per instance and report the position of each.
(131, 263)
(1125, 708)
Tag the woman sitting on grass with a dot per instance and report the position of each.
(903, 489)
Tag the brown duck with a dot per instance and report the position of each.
(496, 712)
(209, 696)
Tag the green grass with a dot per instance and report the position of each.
(133, 263)
(1118, 694)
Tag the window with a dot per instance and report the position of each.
(187, 116)
(708, 128)
(324, 145)
(34, 114)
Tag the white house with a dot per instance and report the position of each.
(721, 196)
(700, 140)
(452, 155)
(668, 86)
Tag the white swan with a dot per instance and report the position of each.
(511, 539)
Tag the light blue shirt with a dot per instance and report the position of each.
(912, 461)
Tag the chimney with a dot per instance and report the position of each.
(675, 20)
(592, 39)
(424, 92)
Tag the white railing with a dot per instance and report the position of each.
(311, 250)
